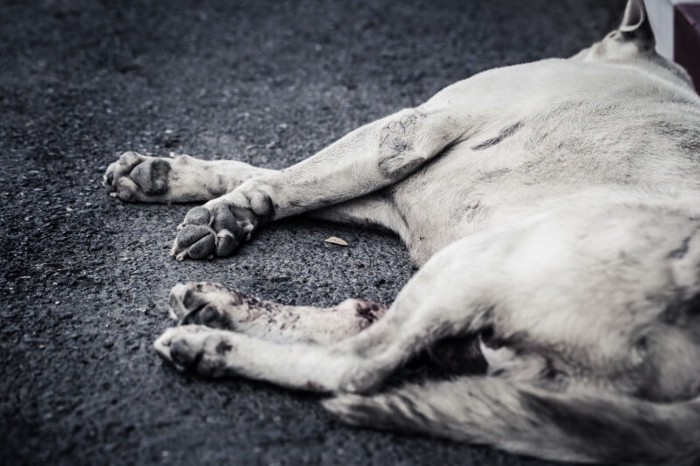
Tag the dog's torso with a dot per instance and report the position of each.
(571, 142)
(546, 130)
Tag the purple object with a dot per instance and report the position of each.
(687, 39)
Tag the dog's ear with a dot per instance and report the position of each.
(635, 23)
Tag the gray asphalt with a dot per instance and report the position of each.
(85, 279)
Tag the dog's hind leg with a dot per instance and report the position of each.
(460, 302)
(216, 306)
(486, 410)
(584, 425)
(372, 157)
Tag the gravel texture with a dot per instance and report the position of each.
(85, 279)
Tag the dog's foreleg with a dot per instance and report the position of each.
(141, 178)
(367, 159)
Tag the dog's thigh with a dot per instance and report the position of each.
(216, 306)
(140, 178)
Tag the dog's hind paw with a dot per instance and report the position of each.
(137, 178)
(209, 304)
(196, 348)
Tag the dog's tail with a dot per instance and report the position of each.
(525, 420)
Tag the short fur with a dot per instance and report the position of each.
(554, 210)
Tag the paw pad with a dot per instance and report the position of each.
(215, 230)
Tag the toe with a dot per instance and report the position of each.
(181, 345)
(130, 158)
(183, 353)
(224, 219)
(176, 301)
(108, 178)
(124, 189)
(203, 248)
(215, 229)
(162, 345)
(195, 241)
(207, 315)
(197, 216)
(152, 176)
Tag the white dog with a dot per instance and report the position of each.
(554, 208)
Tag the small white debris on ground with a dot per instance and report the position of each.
(336, 240)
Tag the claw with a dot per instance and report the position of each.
(204, 248)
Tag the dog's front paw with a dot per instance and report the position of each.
(137, 178)
(197, 349)
(220, 226)
(215, 229)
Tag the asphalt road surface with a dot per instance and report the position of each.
(85, 278)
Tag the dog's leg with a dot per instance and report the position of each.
(369, 158)
(216, 306)
(458, 303)
(584, 425)
(141, 178)
(490, 410)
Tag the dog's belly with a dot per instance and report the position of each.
(484, 182)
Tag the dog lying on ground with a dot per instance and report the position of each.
(554, 209)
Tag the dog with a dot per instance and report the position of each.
(554, 210)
